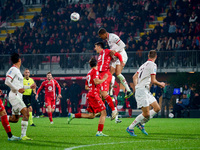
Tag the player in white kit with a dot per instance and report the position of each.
(116, 44)
(14, 80)
(145, 75)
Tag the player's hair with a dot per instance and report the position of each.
(102, 31)
(100, 44)
(26, 69)
(152, 53)
(93, 62)
(15, 58)
(48, 73)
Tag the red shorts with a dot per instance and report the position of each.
(1, 106)
(95, 104)
(106, 84)
(49, 101)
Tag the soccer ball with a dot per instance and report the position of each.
(75, 16)
(171, 115)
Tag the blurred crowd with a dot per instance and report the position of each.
(9, 9)
(52, 31)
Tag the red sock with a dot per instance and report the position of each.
(110, 102)
(5, 123)
(130, 112)
(50, 116)
(100, 127)
(78, 115)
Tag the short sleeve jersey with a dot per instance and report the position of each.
(114, 42)
(104, 60)
(144, 73)
(92, 74)
(50, 88)
(28, 82)
(16, 76)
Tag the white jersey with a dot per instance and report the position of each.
(17, 78)
(115, 43)
(144, 73)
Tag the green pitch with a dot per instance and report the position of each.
(80, 134)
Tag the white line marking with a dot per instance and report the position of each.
(89, 145)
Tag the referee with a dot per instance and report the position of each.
(27, 94)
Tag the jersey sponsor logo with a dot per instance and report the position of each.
(10, 72)
(50, 88)
(154, 69)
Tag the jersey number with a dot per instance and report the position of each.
(141, 72)
(88, 79)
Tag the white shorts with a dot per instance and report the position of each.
(16, 102)
(143, 97)
(116, 61)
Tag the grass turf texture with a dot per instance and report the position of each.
(163, 134)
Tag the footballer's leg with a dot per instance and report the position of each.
(110, 103)
(30, 110)
(142, 118)
(122, 79)
(6, 125)
(113, 99)
(101, 124)
(80, 115)
(155, 110)
(24, 123)
(49, 112)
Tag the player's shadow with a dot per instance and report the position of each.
(46, 143)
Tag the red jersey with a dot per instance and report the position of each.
(50, 88)
(92, 74)
(104, 60)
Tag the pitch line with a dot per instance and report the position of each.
(89, 145)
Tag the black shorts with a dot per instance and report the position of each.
(27, 100)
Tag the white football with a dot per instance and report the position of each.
(75, 16)
(171, 115)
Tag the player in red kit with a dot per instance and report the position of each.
(96, 105)
(5, 122)
(50, 94)
(104, 58)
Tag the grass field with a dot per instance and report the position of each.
(80, 134)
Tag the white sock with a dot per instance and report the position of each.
(137, 120)
(116, 118)
(152, 113)
(112, 84)
(123, 81)
(8, 117)
(24, 125)
(114, 110)
(145, 120)
(73, 116)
